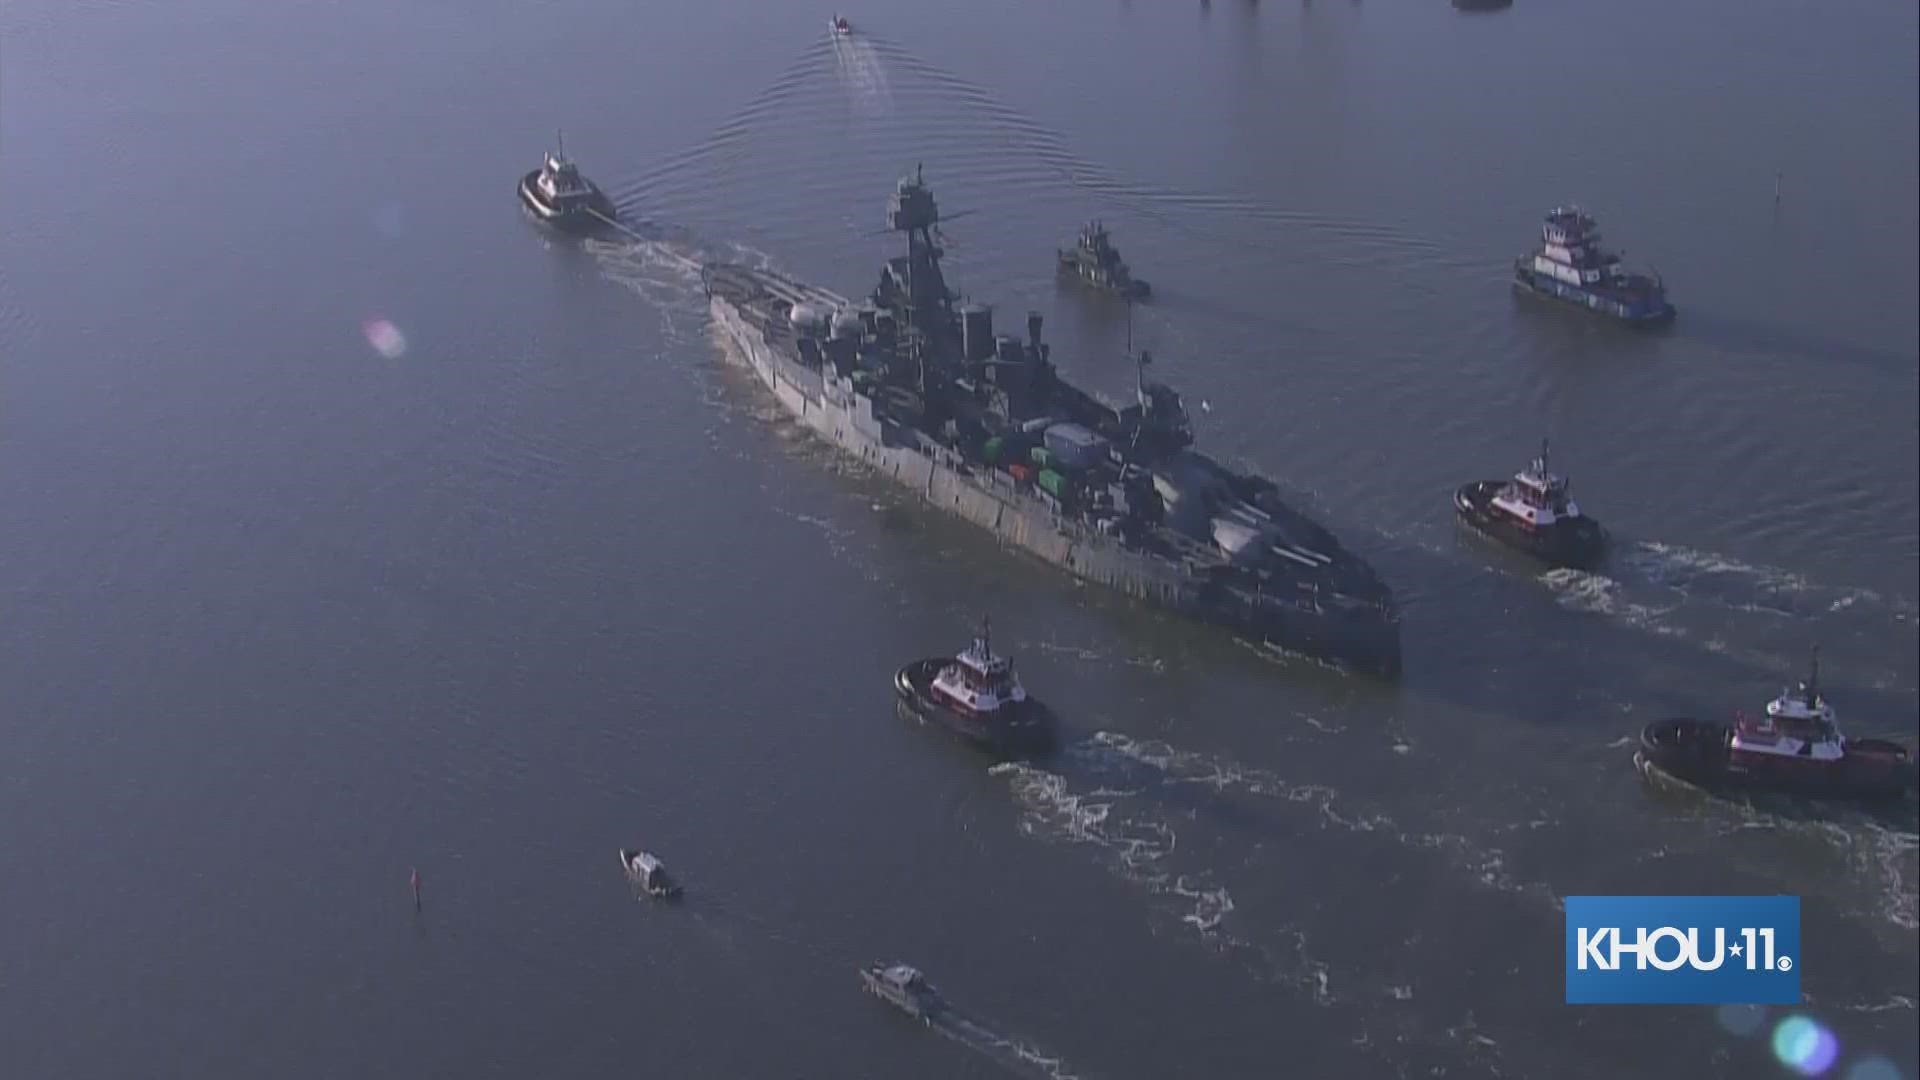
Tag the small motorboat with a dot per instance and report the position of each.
(1534, 512)
(557, 195)
(840, 25)
(978, 695)
(1794, 748)
(903, 986)
(648, 874)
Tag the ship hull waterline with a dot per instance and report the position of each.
(1361, 643)
(1646, 316)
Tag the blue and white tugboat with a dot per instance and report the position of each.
(978, 695)
(1534, 512)
(557, 195)
(1572, 266)
(1795, 748)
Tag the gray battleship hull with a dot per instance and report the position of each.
(1356, 636)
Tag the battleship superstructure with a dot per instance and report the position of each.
(919, 388)
(1095, 260)
(1572, 266)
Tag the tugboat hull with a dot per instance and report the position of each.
(1700, 753)
(1023, 728)
(1132, 287)
(1640, 310)
(582, 218)
(1577, 543)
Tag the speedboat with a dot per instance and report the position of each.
(903, 986)
(977, 694)
(646, 872)
(1534, 512)
(557, 195)
(1795, 747)
(840, 25)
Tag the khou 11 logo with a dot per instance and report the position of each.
(1683, 950)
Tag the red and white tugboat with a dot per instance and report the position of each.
(1796, 747)
(1535, 513)
(977, 694)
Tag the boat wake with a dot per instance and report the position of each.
(664, 274)
(1874, 866)
(862, 75)
(1016, 1056)
(1761, 616)
(1123, 796)
(1760, 589)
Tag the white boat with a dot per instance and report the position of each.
(645, 870)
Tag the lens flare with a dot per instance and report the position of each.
(1804, 1046)
(1874, 1068)
(386, 338)
(1743, 1020)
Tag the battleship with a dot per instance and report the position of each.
(1571, 265)
(916, 386)
(1094, 260)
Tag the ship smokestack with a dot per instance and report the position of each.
(1033, 330)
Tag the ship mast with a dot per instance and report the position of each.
(1140, 362)
(912, 210)
(1813, 683)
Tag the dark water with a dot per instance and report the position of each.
(282, 616)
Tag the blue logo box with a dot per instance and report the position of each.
(1683, 950)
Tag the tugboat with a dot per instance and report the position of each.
(1095, 260)
(1535, 513)
(647, 873)
(840, 25)
(556, 194)
(977, 694)
(904, 987)
(1795, 748)
(1572, 266)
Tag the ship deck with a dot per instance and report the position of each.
(1302, 555)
